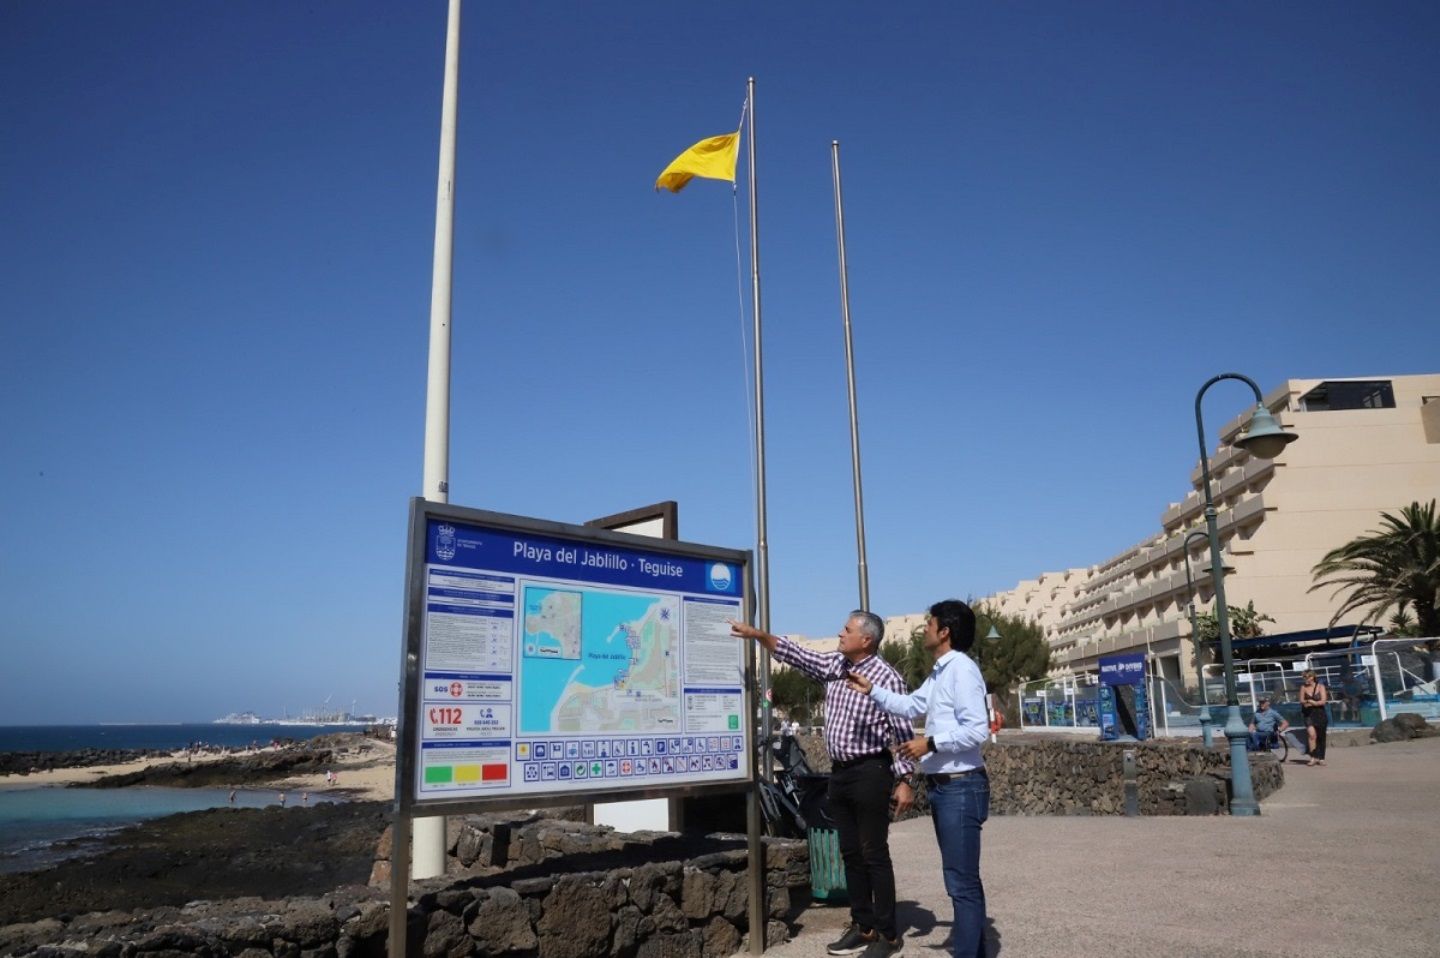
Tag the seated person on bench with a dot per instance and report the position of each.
(1265, 724)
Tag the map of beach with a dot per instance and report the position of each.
(599, 661)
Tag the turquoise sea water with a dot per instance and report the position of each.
(34, 820)
(604, 653)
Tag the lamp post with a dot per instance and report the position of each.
(990, 636)
(1205, 719)
(1265, 439)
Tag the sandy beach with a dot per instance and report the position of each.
(368, 776)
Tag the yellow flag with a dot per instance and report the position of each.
(713, 158)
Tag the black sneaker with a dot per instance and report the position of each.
(852, 942)
(883, 947)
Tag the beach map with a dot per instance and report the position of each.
(595, 660)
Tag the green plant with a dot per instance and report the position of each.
(1246, 622)
(796, 694)
(1020, 654)
(1402, 624)
(908, 657)
(1394, 567)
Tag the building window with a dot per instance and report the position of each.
(1367, 394)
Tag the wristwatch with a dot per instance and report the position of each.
(930, 741)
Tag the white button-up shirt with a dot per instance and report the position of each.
(952, 699)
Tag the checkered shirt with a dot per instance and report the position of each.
(854, 725)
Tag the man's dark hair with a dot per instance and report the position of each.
(959, 618)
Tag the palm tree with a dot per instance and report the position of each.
(1394, 567)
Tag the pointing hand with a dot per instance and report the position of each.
(858, 682)
(742, 631)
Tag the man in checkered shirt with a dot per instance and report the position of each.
(858, 735)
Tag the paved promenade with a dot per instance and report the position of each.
(1344, 861)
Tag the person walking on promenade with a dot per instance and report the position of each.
(952, 699)
(864, 772)
(1314, 705)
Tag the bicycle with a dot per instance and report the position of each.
(781, 797)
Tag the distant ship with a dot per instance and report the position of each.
(239, 718)
(324, 715)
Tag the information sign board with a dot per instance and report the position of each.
(555, 664)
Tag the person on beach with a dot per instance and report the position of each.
(1314, 702)
(232, 796)
(282, 799)
(952, 699)
(304, 798)
(864, 772)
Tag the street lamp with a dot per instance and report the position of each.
(1194, 618)
(990, 636)
(1263, 438)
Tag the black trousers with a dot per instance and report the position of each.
(860, 806)
(1318, 719)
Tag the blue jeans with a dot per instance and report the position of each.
(959, 808)
(1262, 740)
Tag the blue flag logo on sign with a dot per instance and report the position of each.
(721, 578)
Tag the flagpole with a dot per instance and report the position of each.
(762, 546)
(850, 379)
(429, 832)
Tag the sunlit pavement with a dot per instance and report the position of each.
(1344, 861)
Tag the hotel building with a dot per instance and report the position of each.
(1365, 446)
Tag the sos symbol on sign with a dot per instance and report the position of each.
(456, 689)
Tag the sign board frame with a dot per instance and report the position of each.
(409, 730)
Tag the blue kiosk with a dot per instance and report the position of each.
(1124, 698)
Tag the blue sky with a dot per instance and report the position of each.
(215, 272)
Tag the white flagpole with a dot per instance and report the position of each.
(429, 832)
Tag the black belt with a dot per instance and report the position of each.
(943, 777)
(852, 762)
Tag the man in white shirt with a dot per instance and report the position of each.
(952, 699)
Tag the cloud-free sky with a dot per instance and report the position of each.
(216, 224)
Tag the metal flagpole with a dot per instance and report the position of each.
(429, 832)
(850, 379)
(762, 546)
(757, 911)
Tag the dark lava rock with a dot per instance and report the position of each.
(1402, 728)
(221, 853)
(225, 772)
(23, 763)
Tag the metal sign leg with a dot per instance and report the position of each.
(399, 883)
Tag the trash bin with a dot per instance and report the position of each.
(827, 868)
